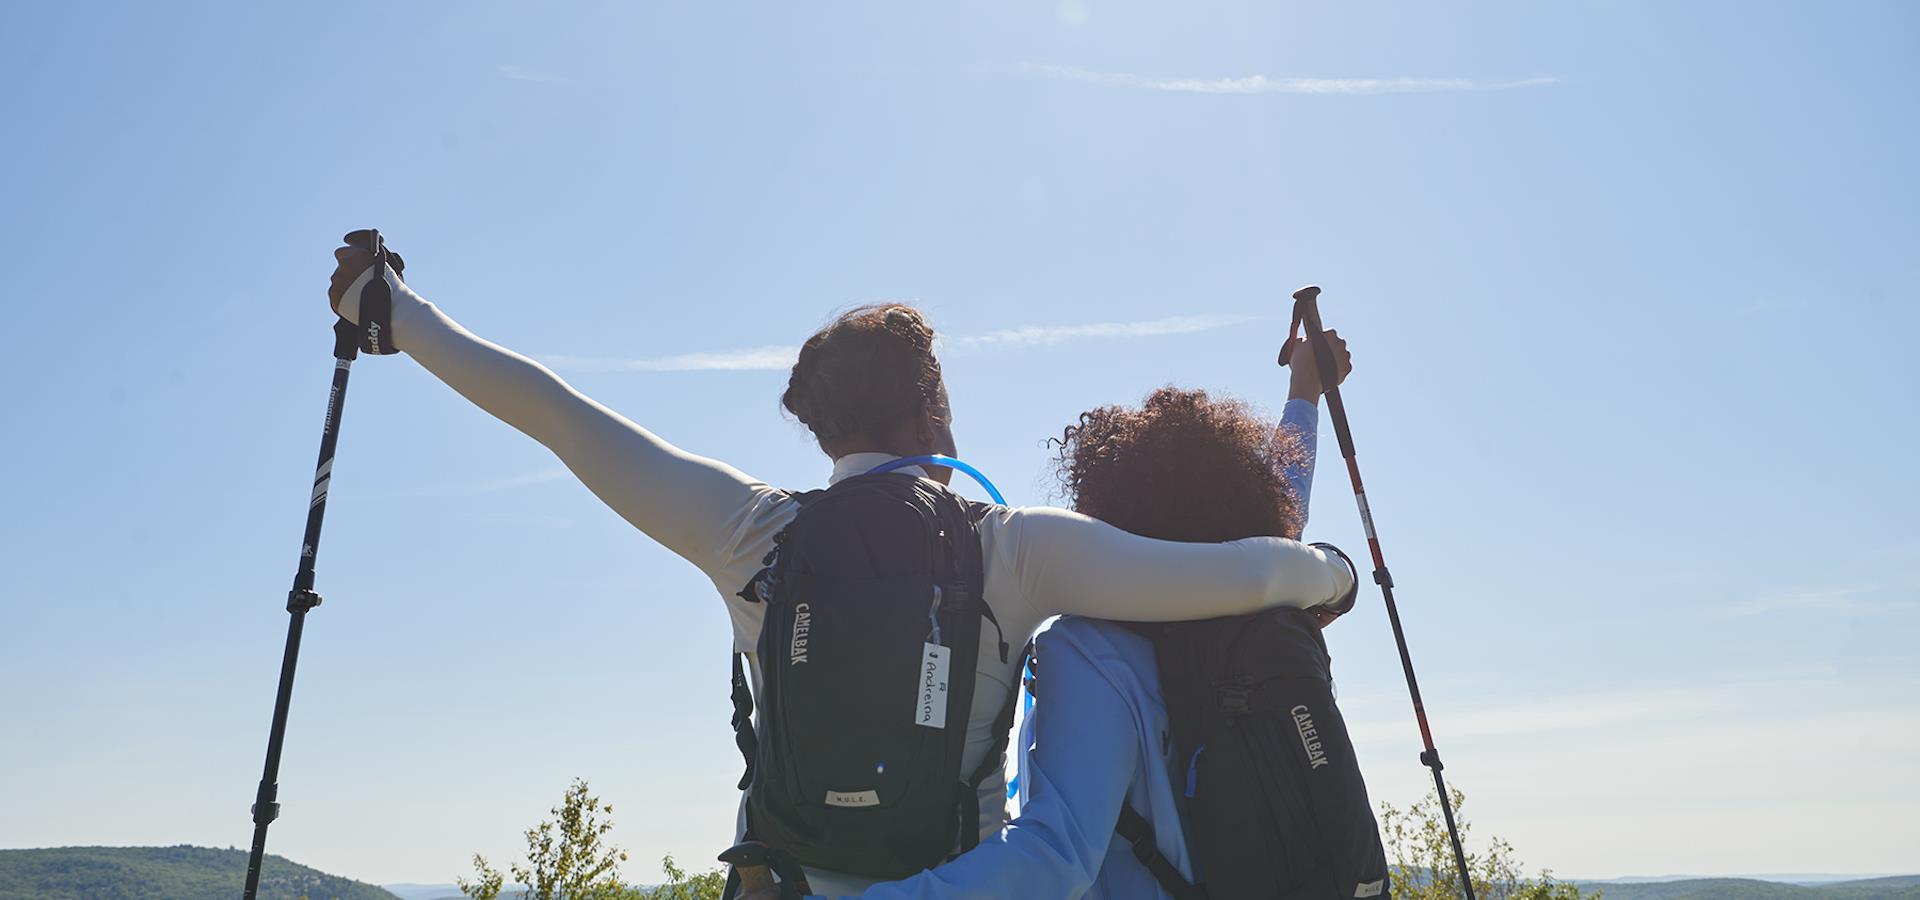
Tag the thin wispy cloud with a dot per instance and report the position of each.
(1261, 84)
(528, 520)
(525, 73)
(741, 360)
(1048, 335)
(1586, 711)
(1837, 601)
(782, 357)
(539, 476)
(1632, 709)
(491, 485)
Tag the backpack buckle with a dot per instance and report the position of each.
(1234, 696)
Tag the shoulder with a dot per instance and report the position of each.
(1016, 527)
(1110, 647)
(1017, 514)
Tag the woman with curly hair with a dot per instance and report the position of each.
(869, 387)
(1183, 466)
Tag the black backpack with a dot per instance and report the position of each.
(873, 616)
(1275, 805)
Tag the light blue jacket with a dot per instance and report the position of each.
(1097, 738)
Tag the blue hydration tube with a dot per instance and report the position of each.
(943, 461)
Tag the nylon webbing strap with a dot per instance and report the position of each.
(1293, 334)
(1136, 830)
(743, 734)
(376, 298)
(996, 758)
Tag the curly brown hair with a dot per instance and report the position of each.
(1185, 466)
(870, 368)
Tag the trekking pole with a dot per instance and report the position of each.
(1307, 311)
(302, 599)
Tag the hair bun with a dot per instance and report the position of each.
(862, 373)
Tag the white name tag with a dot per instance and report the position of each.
(931, 710)
(853, 798)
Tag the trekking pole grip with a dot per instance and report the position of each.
(1306, 316)
(1306, 310)
(373, 333)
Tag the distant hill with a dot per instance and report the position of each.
(1899, 887)
(164, 873)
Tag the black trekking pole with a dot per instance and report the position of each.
(347, 339)
(1307, 311)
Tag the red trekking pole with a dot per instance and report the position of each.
(1306, 311)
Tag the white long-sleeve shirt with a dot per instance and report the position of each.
(1039, 561)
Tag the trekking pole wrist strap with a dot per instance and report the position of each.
(371, 295)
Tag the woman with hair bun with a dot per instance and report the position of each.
(869, 388)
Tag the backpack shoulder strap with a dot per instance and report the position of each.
(743, 734)
(742, 696)
(996, 755)
(1136, 830)
(975, 512)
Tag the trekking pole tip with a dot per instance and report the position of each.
(1307, 293)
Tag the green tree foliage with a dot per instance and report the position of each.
(1423, 863)
(682, 885)
(567, 858)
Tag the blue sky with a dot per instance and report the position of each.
(1630, 289)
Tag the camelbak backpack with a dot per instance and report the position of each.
(1276, 807)
(873, 623)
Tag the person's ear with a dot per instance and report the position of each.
(927, 426)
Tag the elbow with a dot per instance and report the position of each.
(1309, 576)
(1346, 580)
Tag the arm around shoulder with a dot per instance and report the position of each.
(1071, 564)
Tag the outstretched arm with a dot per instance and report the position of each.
(1300, 422)
(704, 510)
(1301, 417)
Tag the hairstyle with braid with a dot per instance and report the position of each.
(869, 369)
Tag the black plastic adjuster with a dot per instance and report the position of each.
(302, 600)
(1431, 759)
(1234, 697)
(264, 808)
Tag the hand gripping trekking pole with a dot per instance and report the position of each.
(347, 339)
(1306, 311)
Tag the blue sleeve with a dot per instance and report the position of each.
(1301, 418)
(1085, 755)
